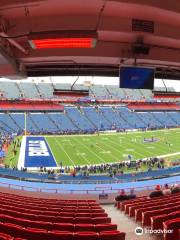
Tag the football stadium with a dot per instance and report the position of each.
(89, 120)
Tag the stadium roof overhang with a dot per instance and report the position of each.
(145, 30)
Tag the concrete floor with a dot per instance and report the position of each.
(127, 224)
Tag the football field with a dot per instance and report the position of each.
(109, 148)
(73, 150)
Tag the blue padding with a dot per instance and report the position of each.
(80, 188)
(38, 153)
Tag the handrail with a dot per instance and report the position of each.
(102, 190)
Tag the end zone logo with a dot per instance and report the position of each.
(37, 148)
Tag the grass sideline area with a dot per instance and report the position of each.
(73, 150)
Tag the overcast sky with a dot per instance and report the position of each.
(97, 80)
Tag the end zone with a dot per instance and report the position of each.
(35, 153)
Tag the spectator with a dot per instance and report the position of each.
(156, 193)
(131, 195)
(122, 196)
(166, 190)
(175, 189)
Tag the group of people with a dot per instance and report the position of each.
(115, 169)
(158, 192)
(166, 190)
(123, 196)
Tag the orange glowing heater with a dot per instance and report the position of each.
(63, 39)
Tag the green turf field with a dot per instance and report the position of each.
(12, 160)
(108, 148)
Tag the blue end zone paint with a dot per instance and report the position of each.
(38, 153)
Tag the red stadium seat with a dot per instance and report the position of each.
(112, 235)
(64, 220)
(63, 227)
(7, 228)
(99, 220)
(42, 225)
(84, 210)
(67, 214)
(19, 239)
(173, 225)
(60, 235)
(157, 221)
(154, 206)
(86, 236)
(84, 227)
(146, 216)
(35, 233)
(71, 210)
(105, 227)
(83, 215)
(45, 218)
(94, 215)
(82, 220)
(4, 236)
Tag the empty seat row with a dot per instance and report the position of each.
(30, 233)
(139, 211)
(121, 205)
(144, 199)
(49, 201)
(161, 213)
(171, 228)
(44, 207)
(157, 221)
(146, 215)
(50, 205)
(60, 212)
(130, 208)
(24, 220)
(10, 214)
(62, 225)
(53, 210)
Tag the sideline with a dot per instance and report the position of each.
(111, 133)
(22, 154)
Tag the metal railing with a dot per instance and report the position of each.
(96, 190)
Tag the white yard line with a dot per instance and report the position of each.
(80, 152)
(92, 152)
(111, 152)
(169, 155)
(125, 147)
(115, 133)
(64, 151)
(115, 149)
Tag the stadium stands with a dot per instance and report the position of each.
(15, 90)
(93, 178)
(29, 106)
(89, 119)
(32, 218)
(160, 213)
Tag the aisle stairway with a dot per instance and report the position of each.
(126, 224)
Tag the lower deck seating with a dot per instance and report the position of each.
(86, 119)
(27, 218)
(160, 213)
